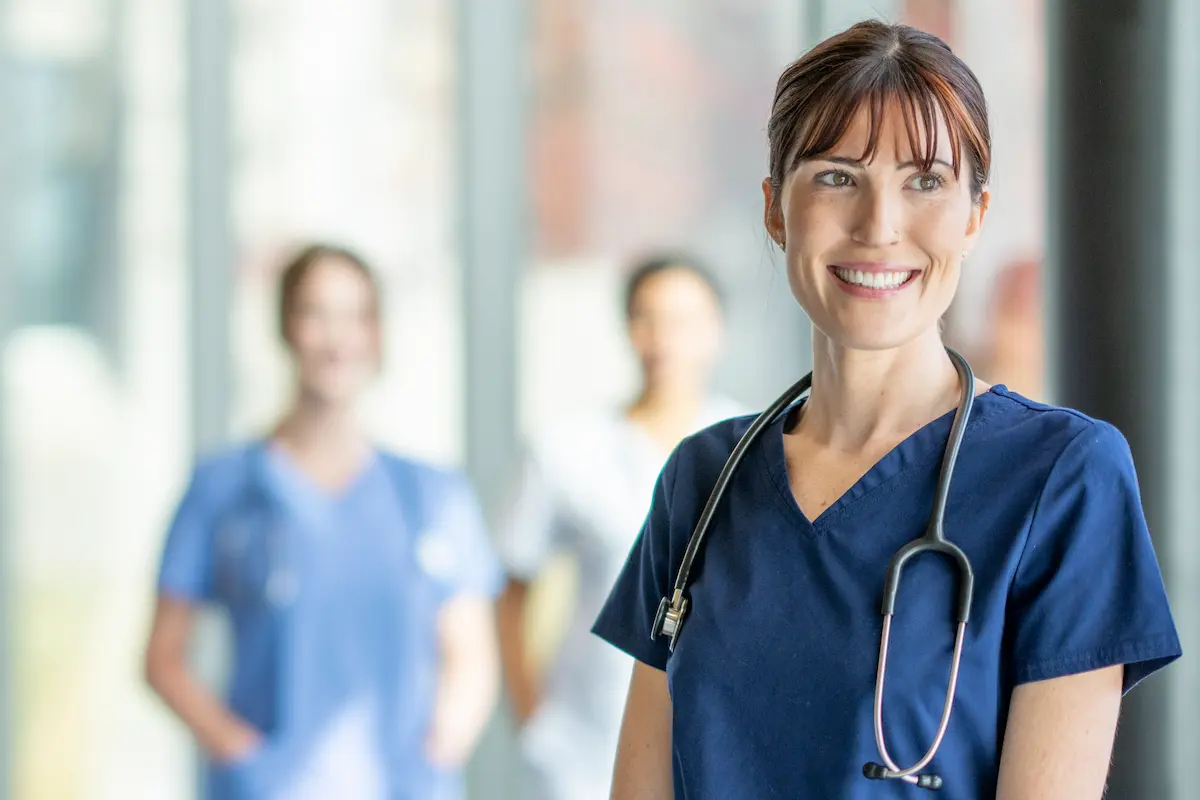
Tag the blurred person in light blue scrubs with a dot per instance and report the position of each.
(359, 584)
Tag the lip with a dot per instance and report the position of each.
(872, 293)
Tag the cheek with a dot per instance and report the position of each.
(817, 232)
(637, 338)
(368, 346)
(815, 220)
(940, 231)
(304, 340)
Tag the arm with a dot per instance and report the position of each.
(643, 768)
(1060, 736)
(218, 730)
(467, 681)
(520, 675)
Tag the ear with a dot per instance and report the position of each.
(772, 213)
(975, 221)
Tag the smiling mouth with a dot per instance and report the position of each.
(874, 280)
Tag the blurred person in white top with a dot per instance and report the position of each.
(584, 491)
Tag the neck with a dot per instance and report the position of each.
(316, 426)
(861, 396)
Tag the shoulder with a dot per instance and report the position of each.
(223, 473)
(439, 479)
(697, 461)
(1022, 426)
(555, 447)
(1054, 457)
(716, 441)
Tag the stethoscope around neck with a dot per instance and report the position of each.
(672, 610)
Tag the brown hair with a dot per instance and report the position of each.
(870, 64)
(297, 268)
(652, 265)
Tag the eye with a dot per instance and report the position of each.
(834, 177)
(927, 182)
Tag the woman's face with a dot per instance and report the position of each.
(333, 331)
(675, 328)
(874, 249)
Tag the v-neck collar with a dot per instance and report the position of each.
(296, 488)
(926, 443)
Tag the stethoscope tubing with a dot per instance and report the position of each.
(672, 610)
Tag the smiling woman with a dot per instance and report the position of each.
(867, 181)
(357, 583)
(880, 156)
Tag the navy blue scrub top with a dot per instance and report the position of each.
(773, 677)
(333, 601)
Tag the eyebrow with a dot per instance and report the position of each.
(854, 162)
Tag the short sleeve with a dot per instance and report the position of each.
(185, 568)
(530, 531)
(456, 549)
(1088, 592)
(628, 615)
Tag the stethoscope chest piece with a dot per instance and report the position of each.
(669, 619)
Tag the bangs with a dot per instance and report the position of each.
(921, 96)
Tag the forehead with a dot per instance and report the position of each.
(886, 132)
(884, 122)
(334, 281)
(675, 286)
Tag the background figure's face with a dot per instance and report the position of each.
(333, 332)
(874, 249)
(675, 328)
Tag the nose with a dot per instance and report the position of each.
(877, 223)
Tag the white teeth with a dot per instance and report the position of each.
(873, 280)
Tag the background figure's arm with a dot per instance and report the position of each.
(219, 731)
(468, 678)
(520, 672)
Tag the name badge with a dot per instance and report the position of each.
(436, 555)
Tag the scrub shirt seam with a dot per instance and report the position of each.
(1038, 504)
(783, 495)
(828, 520)
(1039, 408)
(819, 526)
(1159, 645)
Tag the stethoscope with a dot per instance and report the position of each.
(671, 611)
(273, 579)
(257, 552)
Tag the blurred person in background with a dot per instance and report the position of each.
(585, 489)
(359, 584)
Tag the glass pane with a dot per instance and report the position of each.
(94, 411)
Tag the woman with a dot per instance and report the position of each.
(358, 584)
(589, 508)
(879, 158)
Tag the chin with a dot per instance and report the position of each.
(870, 337)
(335, 392)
